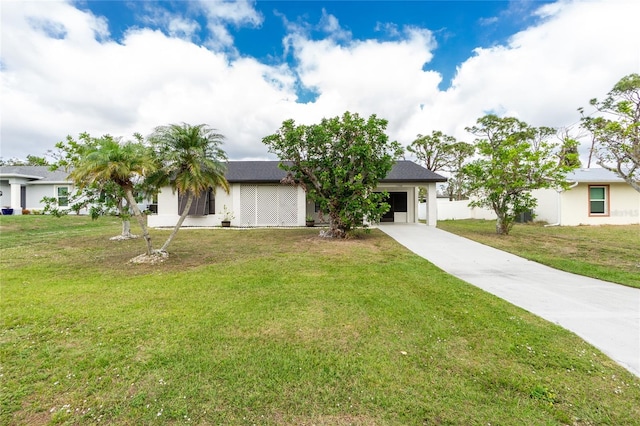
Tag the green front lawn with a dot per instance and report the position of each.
(610, 253)
(276, 327)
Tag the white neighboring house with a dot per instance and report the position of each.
(595, 197)
(23, 187)
(257, 198)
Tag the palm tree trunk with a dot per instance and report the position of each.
(126, 223)
(126, 228)
(183, 216)
(128, 192)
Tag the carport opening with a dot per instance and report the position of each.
(398, 203)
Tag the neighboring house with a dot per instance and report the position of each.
(595, 197)
(23, 187)
(257, 198)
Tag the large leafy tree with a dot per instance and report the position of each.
(190, 161)
(108, 161)
(99, 197)
(441, 152)
(514, 159)
(616, 130)
(435, 151)
(339, 163)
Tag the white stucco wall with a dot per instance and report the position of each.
(548, 204)
(36, 192)
(457, 210)
(5, 199)
(168, 209)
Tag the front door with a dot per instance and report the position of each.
(23, 197)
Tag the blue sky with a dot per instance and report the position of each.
(458, 26)
(120, 67)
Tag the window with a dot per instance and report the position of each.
(203, 205)
(62, 194)
(212, 202)
(599, 200)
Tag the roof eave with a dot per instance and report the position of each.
(18, 175)
(50, 182)
(252, 181)
(413, 180)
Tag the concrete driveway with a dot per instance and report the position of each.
(604, 314)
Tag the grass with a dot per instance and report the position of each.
(610, 253)
(276, 327)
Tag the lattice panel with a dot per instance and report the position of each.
(248, 205)
(268, 205)
(267, 201)
(288, 205)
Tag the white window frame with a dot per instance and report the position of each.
(58, 196)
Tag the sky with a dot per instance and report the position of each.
(120, 67)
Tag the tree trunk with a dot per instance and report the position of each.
(126, 229)
(126, 223)
(128, 192)
(335, 230)
(183, 216)
(502, 227)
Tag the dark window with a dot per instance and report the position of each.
(201, 206)
(399, 201)
(397, 204)
(212, 201)
(598, 200)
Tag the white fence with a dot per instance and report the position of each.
(456, 210)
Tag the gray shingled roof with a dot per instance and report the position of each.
(408, 171)
(269, 172)
(254, 171)
(239, 172)
(594, 175)
(39, 174)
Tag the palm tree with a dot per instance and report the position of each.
(190, 161)
(121, 163)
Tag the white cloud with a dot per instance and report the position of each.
(175, 25)
(546, 72)
(331, 26)
(61, 74)
(385, 78)
(237, 12)
(221, 13)
(55, 87)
